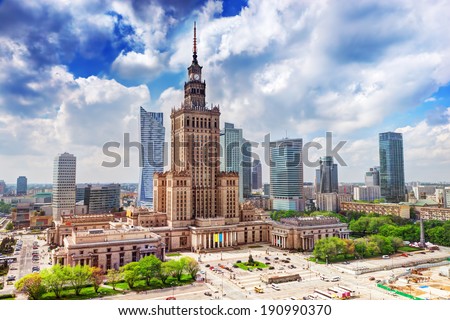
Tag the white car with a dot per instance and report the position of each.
(385, 256)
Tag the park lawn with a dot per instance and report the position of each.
(140, 285)
(258, 264)
(86, 293)
(408, 249)
(174, 254)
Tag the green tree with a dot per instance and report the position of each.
(396, 242)
(78, 276)
(114, 277)
(329, 248)
(9, 226)
(54, 279)
(131, 273)
(360, 247)
(149, 268)
(192, 266)
(97, 277)
(31, 285)
(176, 268)
(164, 272)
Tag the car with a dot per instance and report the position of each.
(259, 269)
(268, 263)
(422, 252)
(288, 258)
(250, 270)
(385, 256)
(207, 265)
(281, 268)
(211, 268)
(11, 278)
(284, 254)
(345, 262)
(275, 287)
(371, 278)
(207, 293)
(267, 258)
(276, 258)
(378, 281)
(171, 298)
(16, 253)
(293, 267)
(35, 268)
(235, 266)
(271, 268)
(239, 261)
(293, 298)
(335, 279)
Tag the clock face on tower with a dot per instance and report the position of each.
(196, 76)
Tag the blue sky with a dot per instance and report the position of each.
(74, 73)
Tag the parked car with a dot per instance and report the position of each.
(207, 293)
(207, 265)
(385, 256)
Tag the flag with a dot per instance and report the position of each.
(216, 237)
(220, 237)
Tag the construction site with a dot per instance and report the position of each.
(431, 283)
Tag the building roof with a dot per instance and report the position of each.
(422, 203)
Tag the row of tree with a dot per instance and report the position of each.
(59, 278)
(333, 248)
(437, 232)
(277, 215)
(4, 207)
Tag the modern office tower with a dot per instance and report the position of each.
(64, 187)
(257, 175)
(392, 174)
(421, 192)
(328, 175)
(232, 149)
(366, 193)
(372, 177)
(286, 174)
(266, 189)
(152, 133)
(2, 187)
(246, 169)
(22, 187)
(102, 198)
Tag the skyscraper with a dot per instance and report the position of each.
(102, 198)
(236, 157)
(392, 174)
(328, 176)
(152, 134)
(286, 174)
(64, 187)
(2, 187)
(372, 177)
(21, 186)
(257, 174)
(195, 191)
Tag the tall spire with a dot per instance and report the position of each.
(194, 56)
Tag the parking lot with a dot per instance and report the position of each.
(31, 255)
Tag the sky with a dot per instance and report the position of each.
(73, 75)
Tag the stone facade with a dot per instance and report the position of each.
(427, 213)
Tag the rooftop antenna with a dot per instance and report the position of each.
(194, 50)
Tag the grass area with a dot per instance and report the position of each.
(174, 254)
(86, 293)
(140, 285)
(408, 249)
(257, 264)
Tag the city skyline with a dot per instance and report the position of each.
(82, 86)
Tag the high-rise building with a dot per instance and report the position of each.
(366, 193)
(372, 177)
(266, 189)
(152, 134)
(64, 187)
(2, 187)
(327, 175)
(22, 187)
(286, 174)
(236, 157)
(257, 175)
(102, 198)
(392, 174)
(247, 169)
(195, 193)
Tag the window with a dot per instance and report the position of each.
(121, 248)
(108, 249)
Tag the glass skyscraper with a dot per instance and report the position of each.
(152, 134)
(236, 157)
(286, 174)
(392, 173)
(327, 176)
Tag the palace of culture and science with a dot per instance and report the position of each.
(195, 206)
